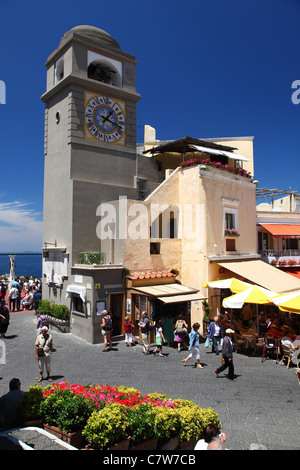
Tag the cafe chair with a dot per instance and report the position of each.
(258, 345)
(286, 354)
(239, 343)
(270, 347)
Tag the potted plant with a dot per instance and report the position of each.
(282, 262)
(107, 427)
(206, 320)
(231, 232)
(193, 420)
(30, 406)
(166, 423)
(65, 414)
(140, 423)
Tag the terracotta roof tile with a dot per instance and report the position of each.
(150, 275)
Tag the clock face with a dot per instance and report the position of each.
(104, 119)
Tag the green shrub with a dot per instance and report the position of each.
(30, 403)
(166, 423)
(107, 426)
(46, 306)
(66, 410)
(91, 257)
(54, 310)
(60, 311)
(141, 422)
(194, 419)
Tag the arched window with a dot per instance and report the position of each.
(59, 70)
(104, 72)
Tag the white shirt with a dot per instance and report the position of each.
(217, 330)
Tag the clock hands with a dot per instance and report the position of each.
(111, 122)
(106, 118)
(114, 123)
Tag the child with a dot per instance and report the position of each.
(128, 326)
(194, 346)
(159, 338)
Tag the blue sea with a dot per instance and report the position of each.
(26, 265)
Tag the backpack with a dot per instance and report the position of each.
(180, 327)
(45, 322)
(108, 323)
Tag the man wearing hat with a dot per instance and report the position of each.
(227, 353)
(43, 350)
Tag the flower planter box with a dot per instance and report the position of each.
(172, 444)
(74, 438)
(188, 445)
(149, 444)
(231, 234)
(122, 445)
(37, 423)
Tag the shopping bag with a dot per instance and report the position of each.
(207, 343)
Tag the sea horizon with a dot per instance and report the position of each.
(26, 263)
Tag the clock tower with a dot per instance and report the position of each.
(90, 158)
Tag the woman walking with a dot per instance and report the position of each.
(194, 346)
(227, 353)
(180, 332)
(159, 338)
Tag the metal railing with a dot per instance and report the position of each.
(279, 253)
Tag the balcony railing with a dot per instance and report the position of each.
(281, 258)
(279, 253)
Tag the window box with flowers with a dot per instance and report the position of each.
(209, 163)
(282, 262)
(231, 232)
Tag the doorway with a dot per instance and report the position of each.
(116, 304)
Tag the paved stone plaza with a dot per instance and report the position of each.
(262, 406)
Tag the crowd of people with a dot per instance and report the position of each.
(192, 340)
(21, 295)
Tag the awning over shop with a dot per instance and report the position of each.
(234, 156)
(181, 298)
(283, 230)
(263, 274)
(81, 291)
(169, 293)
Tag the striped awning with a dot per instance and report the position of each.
(181, 298)
(283, 230)
(170, 293)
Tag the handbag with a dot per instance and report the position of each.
(40, 352)
(207, 343)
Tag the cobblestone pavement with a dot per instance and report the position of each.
(262, 406)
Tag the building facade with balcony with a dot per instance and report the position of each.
(278, 232)
(130, 227)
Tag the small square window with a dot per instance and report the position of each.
(154, 248)
(230, 244)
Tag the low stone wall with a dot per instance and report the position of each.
(58, 324)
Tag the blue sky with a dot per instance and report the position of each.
(205, 69)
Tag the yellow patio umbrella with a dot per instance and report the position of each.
(235, 285)
(253, 295)
(288, 302)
